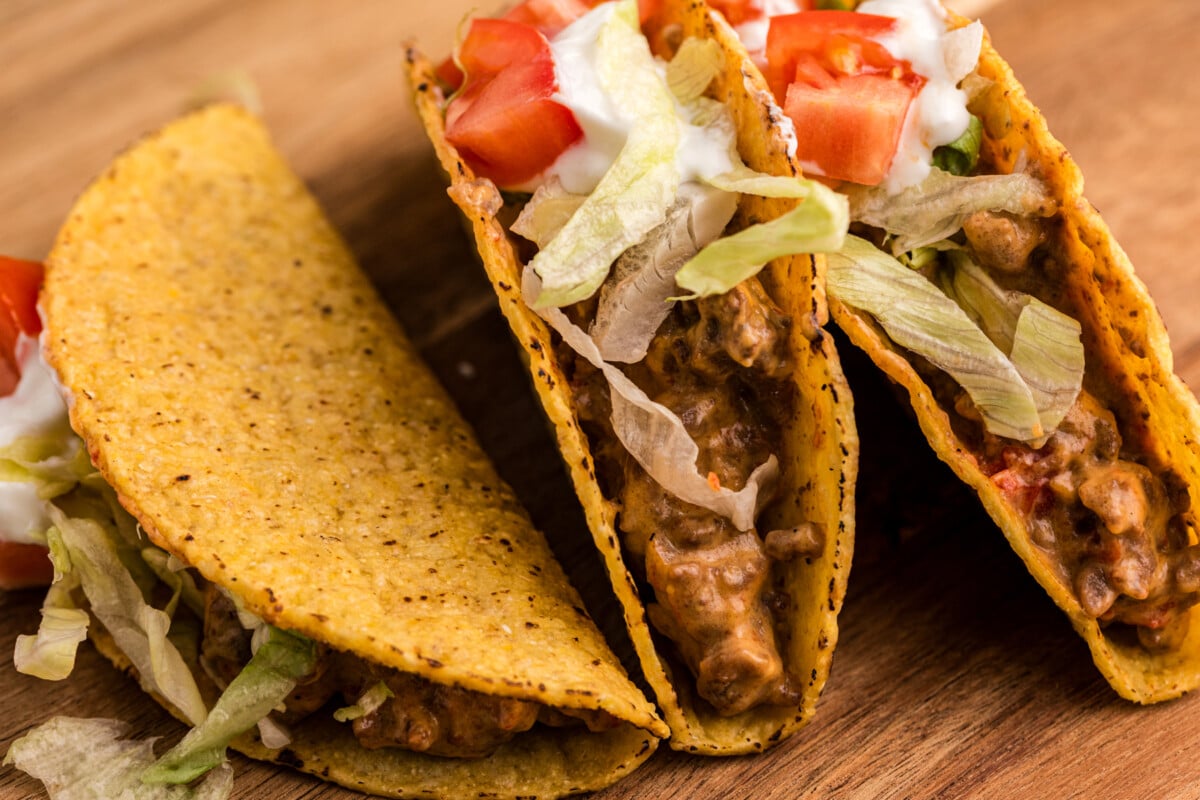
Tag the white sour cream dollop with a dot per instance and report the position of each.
(36, 408)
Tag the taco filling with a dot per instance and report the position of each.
(624, 199)
(962, 268)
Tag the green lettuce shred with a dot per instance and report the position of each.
(1042, 342)
(920, 317)
(816, 225)
(371, 700)
(960, 156)
(634, 195)
(86, 759)
(695, 65)
(264, 683)
(935, 209)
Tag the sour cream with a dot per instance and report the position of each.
(938, 115)
(36, 408)
(703, 151)
(754, 33)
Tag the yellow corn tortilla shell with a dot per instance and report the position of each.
(1129, 367)
(255, 406)
(818, 455)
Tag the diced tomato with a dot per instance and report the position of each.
(19, 284)
(847, 95)
(546, 16)
(24, 565)
(850, 129)
(504, 122)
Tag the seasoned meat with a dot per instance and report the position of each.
(421, 715)
(1003, 242)
(225, 648)
(718, 363)
(440, 720)
(1114, 529)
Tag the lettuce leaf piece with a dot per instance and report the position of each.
(655, 436)
(817, 225)
(547, 212)
(960, 156)
(86, 759)
(266, 680)
(695, 65)
(1043, 343)
(50, 655)
(636, 298)
(173, 572)
(935, 208)
(920, 317)
(634, 195)
(118, 602)
(371, 699)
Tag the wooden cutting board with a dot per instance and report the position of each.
(955, 676)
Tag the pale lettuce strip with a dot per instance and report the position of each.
(86, 759)
(637, 297)
(656, 437)
(50, 654)
(370, 701)
(919, 317)
(268, 678)
(936, 208)
(1043, 343)
(817, 225)
(118, 602)
(634, 195)
(695, 65)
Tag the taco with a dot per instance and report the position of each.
(710, 441)
(286, 507)
(980, 280)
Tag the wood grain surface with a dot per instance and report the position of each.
(955, 676)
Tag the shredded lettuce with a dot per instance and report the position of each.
(636, 298)
(547, 212)
(118, 602)
(695, 65)
(371, 700)
(50, 655)
(264, 683)
(634, 195)
(86, 759)
(1042, 342)
(935, 208)
(656, 437)
(818, 224)
(920, 317)
(56, 462)
(960, 156)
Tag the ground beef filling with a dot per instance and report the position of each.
(1115, 529)
(422, 716)
(721, 364)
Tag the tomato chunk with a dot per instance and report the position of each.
(504, 122)
(548, 17)
(850, 129)
(24, 565)
(19, 284)
(847, 95)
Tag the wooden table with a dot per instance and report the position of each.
(955, 677)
